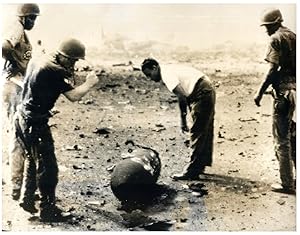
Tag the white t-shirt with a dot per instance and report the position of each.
(175, 74)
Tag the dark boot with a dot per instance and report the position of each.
(279, 188)
(51, 213)
(187, 175)
(15, 194)
(16, 189)
(28, 204)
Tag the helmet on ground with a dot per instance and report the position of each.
(271, 16)
(28, 9)
(134, 178)
(72, 48)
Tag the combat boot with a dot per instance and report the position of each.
(279, 188)
(16, 189)
(187, 175)
(51, 213)
(28, 204)
(15, 194)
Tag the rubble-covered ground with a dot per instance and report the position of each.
(90, 136)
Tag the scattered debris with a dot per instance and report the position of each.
(110, 168)
(124, 102)
(102, 131)
(251, 119)
(74, 147)
(158, 225)
(86, 102)
(281, 202)
(97, 203)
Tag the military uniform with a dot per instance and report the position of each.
(282, 52)
(14, 72)
(43, 83)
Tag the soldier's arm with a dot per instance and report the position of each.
(7, 51)
(181, 95)
(266, 83)
(78, 92)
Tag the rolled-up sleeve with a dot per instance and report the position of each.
(273, 51)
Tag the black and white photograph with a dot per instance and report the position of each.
(148, 116)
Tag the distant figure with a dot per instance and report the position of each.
(281, 56)
(194, 90)
(46, 78)
(17, 51)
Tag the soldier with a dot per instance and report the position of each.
(17, 50)
(46, 78)
(194, 90)
(281, 57)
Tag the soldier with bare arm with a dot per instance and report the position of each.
(46, 78)
(281, 57)
(17, 52)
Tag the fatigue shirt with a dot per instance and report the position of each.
(282, 52)
(44, 81)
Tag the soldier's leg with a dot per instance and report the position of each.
(11, 98)
(30, 185)
(47, 176)
(282, 142)
(17, 154)
(293, 142)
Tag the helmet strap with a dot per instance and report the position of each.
(22, 20)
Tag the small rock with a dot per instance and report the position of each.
(89, 193)
(74, 147)
(110, 168)
(197, 194)
(76, 167)
(124, 102)
(254, 196)
(102, 131)
(281, 202)
(183, 220)
(254, 190)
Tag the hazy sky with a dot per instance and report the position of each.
(194, 25)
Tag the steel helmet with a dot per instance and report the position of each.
(271, 16)
(72, 48)
(28, 9)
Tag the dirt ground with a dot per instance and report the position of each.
(236, 195)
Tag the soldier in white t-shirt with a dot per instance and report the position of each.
(195, 91)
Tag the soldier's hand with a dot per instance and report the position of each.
(257, 100)
(92, 79)
(184, 127)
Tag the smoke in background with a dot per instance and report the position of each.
(194, 25)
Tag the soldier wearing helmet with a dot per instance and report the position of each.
(281, 57)
(46, 78)
(17, 50)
